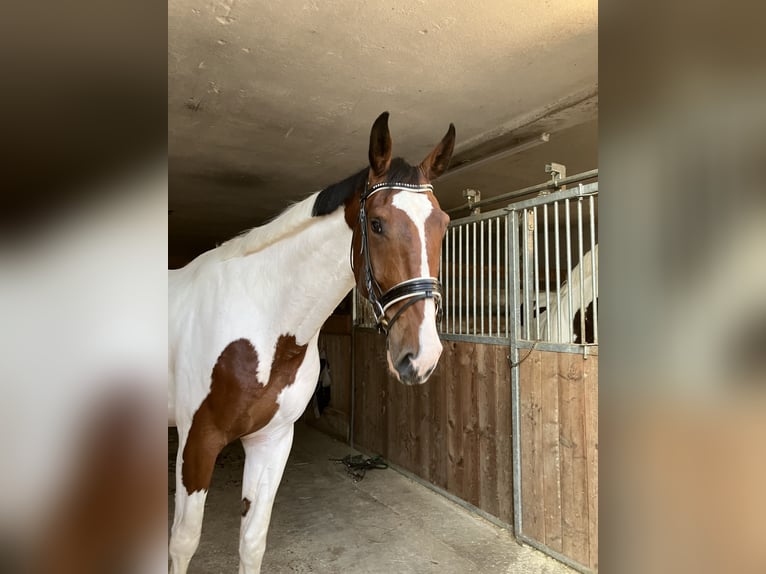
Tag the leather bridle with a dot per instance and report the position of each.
(411, 290)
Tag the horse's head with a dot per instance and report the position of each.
(397, 242)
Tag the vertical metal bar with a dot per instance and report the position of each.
(497, 273)
(473, 291)
(512, 307)
(481, 273)
(489, 276)
(547, 272)
(452, 277)
(353, 378)
(460, 278)
(525, 272)
(557, 240)
(536, 278)
(582, 269)
(568, 323)
(445, 282)
(594, 265)
(507, 279)
(467, 301)
(441, 325)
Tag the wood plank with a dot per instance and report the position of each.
(454, 429)
(566, 451)
(533, 524)
(470, 364)
(438, 451)
(361, 424)
(550, 443)
(503, 435)
(486, 382)
(574, 504)
(591, 449)
(423, 428)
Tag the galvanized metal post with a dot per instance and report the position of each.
(513, 247)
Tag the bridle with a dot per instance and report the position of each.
(410, 290)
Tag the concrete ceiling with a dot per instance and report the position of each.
(269, 101)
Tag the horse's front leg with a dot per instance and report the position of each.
(265, 460)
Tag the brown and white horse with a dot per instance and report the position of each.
(244, 320)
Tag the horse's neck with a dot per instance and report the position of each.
(307, 275)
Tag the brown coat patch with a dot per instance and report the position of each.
(237, 404)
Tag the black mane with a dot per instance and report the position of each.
(335, 195)
(332, 197)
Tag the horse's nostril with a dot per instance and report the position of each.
(405, 367)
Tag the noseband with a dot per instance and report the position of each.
(410, 290)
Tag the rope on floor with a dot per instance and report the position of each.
(357, 465)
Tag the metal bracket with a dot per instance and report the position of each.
(558, 172)
(473, 196)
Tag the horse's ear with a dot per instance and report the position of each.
(437, 161)
(380, 146)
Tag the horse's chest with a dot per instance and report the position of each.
(240, 404)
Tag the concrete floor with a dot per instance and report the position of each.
(323, 522)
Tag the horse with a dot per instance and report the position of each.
(565, 324)
(244, 321)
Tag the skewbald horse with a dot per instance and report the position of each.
(244, 320)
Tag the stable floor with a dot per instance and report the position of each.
(324, 522)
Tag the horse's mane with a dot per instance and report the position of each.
(302, 214)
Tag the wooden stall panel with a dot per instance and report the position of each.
(453, 431)
(559, 452)
(336, 417)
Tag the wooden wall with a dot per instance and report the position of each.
(453, 431)
(336, 417)
(558, 400)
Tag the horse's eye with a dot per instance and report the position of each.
(376, 226)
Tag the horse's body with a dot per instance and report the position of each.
(245, 319)
(567, 327)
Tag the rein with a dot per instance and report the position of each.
(411, 290)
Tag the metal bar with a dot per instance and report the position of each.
(547, 271)
(489, 276)
(582, 270)
(445, 283)
(573, 348)
(453, 275)
(467, 282)
(594, 265)
(557, 239)
(525, 273)
(536, 277)
(440, 326)
(477, 217)
(507, 279)
(577, 178)
(460, 278)
(512, 302)
(497, 272)
(354, 315)
(585, 190)
(486, 339)
(481, 271)
(569, 276)
(473, 291)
